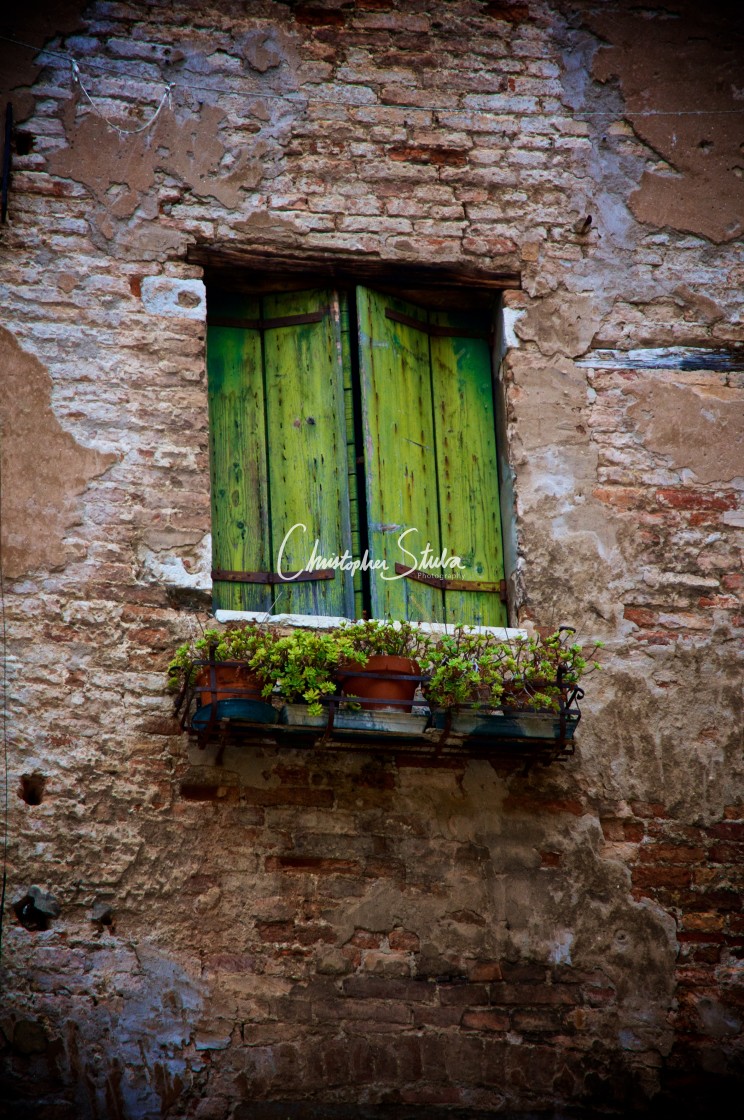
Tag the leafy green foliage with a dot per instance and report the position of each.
(520, 674)
(243, 643)
(302, 666)
(465, 667)
(397, 639)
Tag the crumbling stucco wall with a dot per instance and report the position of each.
(285, 928)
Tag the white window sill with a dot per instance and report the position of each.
(329, 622)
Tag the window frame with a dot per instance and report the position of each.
(430, 288)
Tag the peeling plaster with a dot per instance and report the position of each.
(666, 58)
(182, 145)
(701, 430)
(561, 323)
(44, 470)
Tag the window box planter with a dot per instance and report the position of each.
(521, 738)
(478, 697)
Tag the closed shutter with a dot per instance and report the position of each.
(467, 466)
(430, 458)
(399, 451)
(237, 444)
(291, 381)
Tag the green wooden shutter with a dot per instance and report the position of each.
(399, 451)
(237, 444)
(430, 456)
(277, 426)
(467, 466)
(306, 435)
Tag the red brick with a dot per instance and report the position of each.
(734, 812)
(291, 795)
(439, 156)
(670, 853)
(708, 953)
(275, 931)
(648, 809)
(619, 830)
(485, 971)
(661, 876)
(374, 987)
(463, 995)
(426, 1015)
(542, 1020)
(374, 1010)
(622, 497)
(599, 996)
(727, 830)
(485, 1020)
(695, 499)
(704, 920)
(527, 994)
(550, 859)
(641, 616)
(706, 936)
(313, 865)
(404, 941)
(523, 973)
(726, 853)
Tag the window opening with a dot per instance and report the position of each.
(367, 416)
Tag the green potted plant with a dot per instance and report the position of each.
(458, 670)
(300, 667)
(380, 663)
(483, 687)
(225, 666)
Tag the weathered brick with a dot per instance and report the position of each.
(463, 995)
(313, 865)
(661, 875)
(486, 1020)
(670, 853)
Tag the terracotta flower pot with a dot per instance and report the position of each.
(377, 692)
(232, 682)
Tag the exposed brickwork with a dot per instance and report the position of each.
(339, 931)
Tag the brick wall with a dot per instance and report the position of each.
(319, 933)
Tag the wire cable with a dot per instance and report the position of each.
(106, 68)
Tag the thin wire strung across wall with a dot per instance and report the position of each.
(172, 87)
(122, 131)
